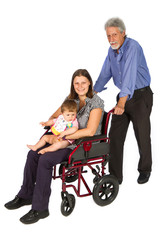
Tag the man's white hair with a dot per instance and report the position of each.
(115, 22)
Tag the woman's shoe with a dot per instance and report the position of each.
(34, 216)
(17, 202)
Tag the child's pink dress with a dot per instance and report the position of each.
(60, 125)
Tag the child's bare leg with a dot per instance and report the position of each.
(42, 142)
(54, 147)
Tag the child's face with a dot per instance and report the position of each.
(69, 116)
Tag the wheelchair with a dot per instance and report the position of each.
(91, 153)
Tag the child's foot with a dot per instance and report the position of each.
(32, 147)
(42, 151)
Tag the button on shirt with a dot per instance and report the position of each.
(128, 68)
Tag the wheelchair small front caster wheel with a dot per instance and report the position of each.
(68, 204)
(105, 190)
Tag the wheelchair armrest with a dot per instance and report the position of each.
(91, 139)
(86, 149)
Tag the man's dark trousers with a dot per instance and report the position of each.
(137, 110)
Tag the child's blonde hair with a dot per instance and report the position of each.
(69, 105)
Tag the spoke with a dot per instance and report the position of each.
(102, 194)
(67, 208)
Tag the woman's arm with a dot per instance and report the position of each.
(67, 132)
(56, 114)
(92, 125)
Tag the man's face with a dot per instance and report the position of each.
(115, 37)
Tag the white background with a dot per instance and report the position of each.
(41, 44)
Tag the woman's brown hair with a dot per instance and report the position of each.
(78, 73)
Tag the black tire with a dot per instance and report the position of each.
(73, 174)
(66, 209)
(105, 190)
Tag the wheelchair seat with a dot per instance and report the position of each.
(96, 150)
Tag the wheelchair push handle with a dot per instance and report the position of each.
(107, 120)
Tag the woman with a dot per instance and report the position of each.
(38, 168)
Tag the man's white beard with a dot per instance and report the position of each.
(115, 47)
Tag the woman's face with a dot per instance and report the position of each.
(81, 85)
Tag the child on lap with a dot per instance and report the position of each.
(65, 124)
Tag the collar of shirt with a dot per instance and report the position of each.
(121, 50)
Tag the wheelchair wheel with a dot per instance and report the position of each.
(105, 190)
(73, 175)
(68, 204)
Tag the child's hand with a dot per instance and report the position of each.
(60, 136)
(43, 124)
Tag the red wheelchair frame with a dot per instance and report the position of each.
(88, 152)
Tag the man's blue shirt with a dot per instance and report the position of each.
(128, 68)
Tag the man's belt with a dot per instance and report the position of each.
(142, 89)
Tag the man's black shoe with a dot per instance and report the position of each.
(120, 182)
(143, 178)
(17, 202)
(33, 216)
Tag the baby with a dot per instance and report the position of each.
(65, 124)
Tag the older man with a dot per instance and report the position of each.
(126, 64)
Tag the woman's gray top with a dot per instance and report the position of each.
(84, 113)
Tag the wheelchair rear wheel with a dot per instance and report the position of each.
(105, 190)
(68, 204)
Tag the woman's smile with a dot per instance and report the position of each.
(81, 85)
